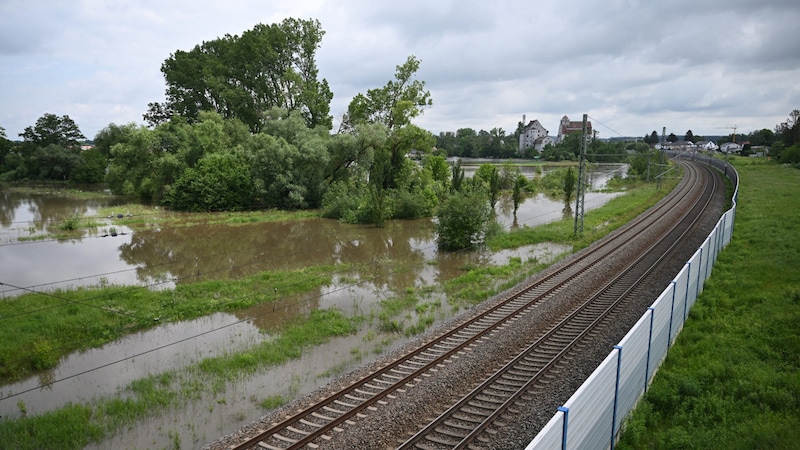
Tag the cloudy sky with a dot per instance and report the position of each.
(633, 65)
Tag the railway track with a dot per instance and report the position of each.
(470, 421)
(460, 425)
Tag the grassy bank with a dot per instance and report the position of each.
(731, 380)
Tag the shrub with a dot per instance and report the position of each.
(463, 221)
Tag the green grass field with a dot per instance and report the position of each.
(732, 379)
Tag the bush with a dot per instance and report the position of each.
(219, 181)
(463, 221)
(339, 201)
(413, 205)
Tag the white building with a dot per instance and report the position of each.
(730, 147)
(530, 133)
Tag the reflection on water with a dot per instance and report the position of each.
(383, 260)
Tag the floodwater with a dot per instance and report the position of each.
(390, 259)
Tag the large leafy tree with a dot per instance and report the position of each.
(393, 105)
(244, 76)
(384, 115)
(289, 163)
(51, 129)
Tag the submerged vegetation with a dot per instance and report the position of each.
(58, 323)
(75, 426)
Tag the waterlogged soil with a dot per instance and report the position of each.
(388, 261)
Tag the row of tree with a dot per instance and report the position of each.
(786, 134)
(246, 124)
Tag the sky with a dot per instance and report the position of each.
(634, 66)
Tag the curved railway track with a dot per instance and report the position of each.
(472, 417)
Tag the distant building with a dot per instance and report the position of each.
(707, 146)
(529, 135)
(730, 147)
(681, 146)
(567, 126)
(540, 143)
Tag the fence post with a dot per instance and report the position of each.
(616, 397)
(688, 283)
(697, 288)
(671, 315)
(649, 347)
(565, 410)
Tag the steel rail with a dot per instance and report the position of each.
(543, 355)
(350, 402)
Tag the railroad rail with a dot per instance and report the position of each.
(473, 416)
(313, 426)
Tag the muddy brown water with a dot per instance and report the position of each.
(400, 255)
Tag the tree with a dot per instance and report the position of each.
(91, 168)
(672, 138)
(789, 131)
(463, 221)
(111, 135)
(466, 142)
(570, 179)
(763, 137)
(568, 149)
(288, 166)
(242, 77)
(436, 166)
(385, 114)
(51, 129)
(393, 105)
(653, 138)
(689, 136)
(53, 162)
(458, 177)
(490, 177)
(5, 149)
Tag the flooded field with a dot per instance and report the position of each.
(390, 259)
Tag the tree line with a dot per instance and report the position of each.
(782, 141)
(246, 124)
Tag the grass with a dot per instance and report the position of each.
(731, 380)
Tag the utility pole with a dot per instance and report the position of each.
(581, 181)
(660, 157)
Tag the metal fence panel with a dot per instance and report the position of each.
(683, 286)
(694, 277)
(592, 416)
(551, 436)
(661, 337)
(591, 408)
(634, 349)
